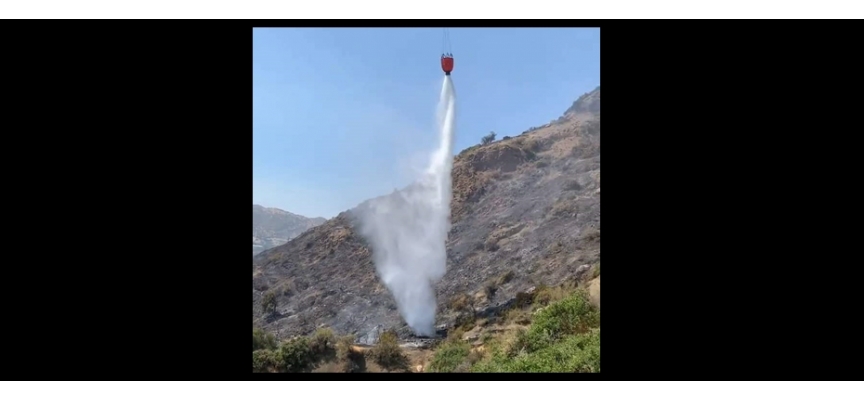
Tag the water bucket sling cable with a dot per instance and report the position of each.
(447, 54)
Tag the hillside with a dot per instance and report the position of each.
(525, 213)
(552, 329)
(272, 227)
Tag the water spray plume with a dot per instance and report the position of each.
(408, 230)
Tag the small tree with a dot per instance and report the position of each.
(387, 353)
(268, 303)
(488, 138)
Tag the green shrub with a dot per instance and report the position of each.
(563, 337)
(572, 315)
(323, 342)
(496, 356)
(264, 361)
(295, 355)
(450, 357)
(262, 340)
(576, 353)
(387, 353)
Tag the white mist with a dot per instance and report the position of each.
(408, 230)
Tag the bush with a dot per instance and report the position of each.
(495, 358)
(488, 138)
(295, 355)
(387, 353)
(268, 303)
(323, 342)
(576, 353)
(564, 337)
(451, 356)
(573, 315)
(262, 340)
(264, 361)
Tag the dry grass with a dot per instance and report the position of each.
(529, 143)
(518, 316)
(509, 339)
(504, 278)
(275, 258)
(545, 294)
(494, 239)
(594, 292)
(565, 206)
(591, 234)
(567, 146)
(287, 288)
(460, 302)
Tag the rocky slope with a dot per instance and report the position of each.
(525, 211)
(272, 227)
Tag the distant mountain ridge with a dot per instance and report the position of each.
(272, 227)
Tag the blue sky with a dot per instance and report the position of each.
(341, 115)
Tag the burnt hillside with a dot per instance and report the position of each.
(525, 211)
